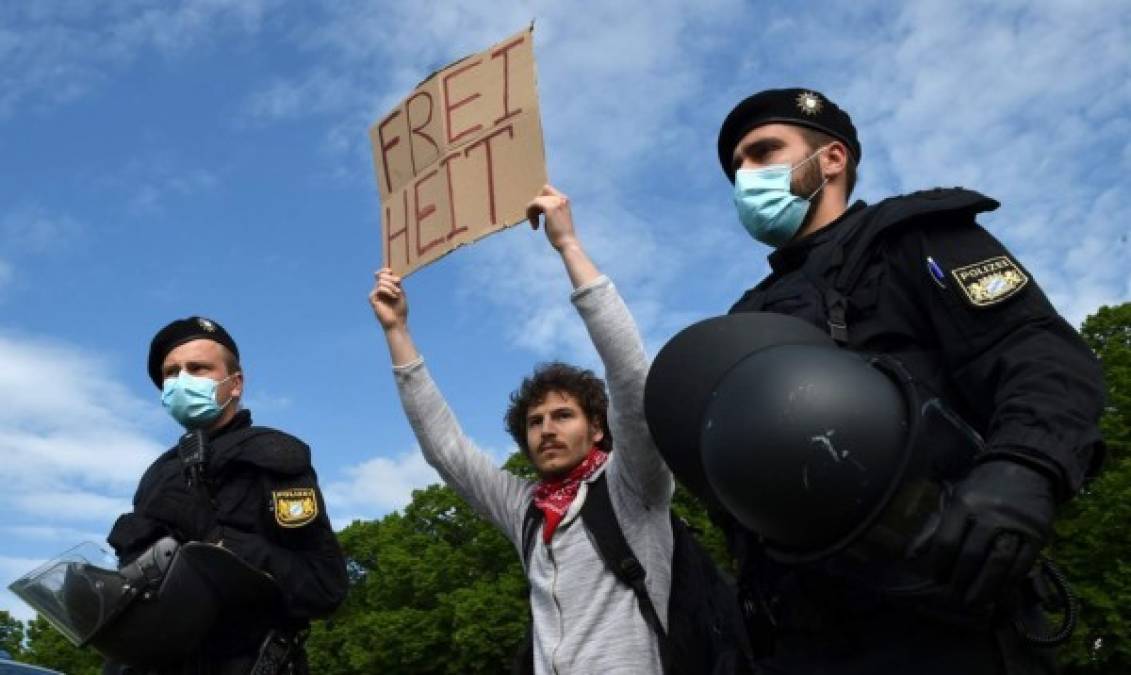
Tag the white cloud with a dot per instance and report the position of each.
(113, 457)
(383, 484)
(64, 537)
(153, 179)
(72, 505)
(54, 53)
(1026, 102)
(30, 228)
(72, 437)
(74, 447)
(12, 568)
(264, 401)
(641, 67)
(151, 185)
(378, 486)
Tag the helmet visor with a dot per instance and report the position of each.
(77, 591)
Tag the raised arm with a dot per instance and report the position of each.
(493, 492)
(390, 306)
(636, 460)
(560, 232)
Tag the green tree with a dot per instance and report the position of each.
(47, 647)
(1108, 333)
(1093, 540)
(11, 634)
(435, 589)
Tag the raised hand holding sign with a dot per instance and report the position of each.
(459, 158)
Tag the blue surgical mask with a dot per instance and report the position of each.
(767, 208)
(191, 400)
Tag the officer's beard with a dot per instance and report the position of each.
(808, 180)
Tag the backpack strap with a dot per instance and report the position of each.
(530, 523)
(523, 663)
(599, 518)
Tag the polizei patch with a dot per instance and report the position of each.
(294, 507)
(990, 281)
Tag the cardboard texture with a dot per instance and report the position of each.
(461, 156)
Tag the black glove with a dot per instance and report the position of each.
(133, 533)
(998, 519)
(188, 514)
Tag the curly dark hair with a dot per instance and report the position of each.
(582, 384)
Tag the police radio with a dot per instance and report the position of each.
(192, 450)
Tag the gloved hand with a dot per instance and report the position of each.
(131, 533)
(186, 512)
(997, 521)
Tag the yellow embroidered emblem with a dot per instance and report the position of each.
(294, 507)
(990, 281)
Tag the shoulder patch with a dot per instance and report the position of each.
(990, 281)
(294, 507)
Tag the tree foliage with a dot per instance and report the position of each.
(437, 589)
(434, 589)
(1108, 333)
(1093, 533)
(47, 647)
(11, 634)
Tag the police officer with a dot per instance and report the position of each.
(914, 277)
(249, 489)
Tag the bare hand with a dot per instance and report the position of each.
(388, 300)
(559, 221)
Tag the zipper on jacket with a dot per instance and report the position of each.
(557, 606)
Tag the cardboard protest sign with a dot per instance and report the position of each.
(461, 156)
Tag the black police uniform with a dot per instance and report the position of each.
(917, 278)
(262, 503)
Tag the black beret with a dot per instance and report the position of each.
(181, 331)
(803, 107)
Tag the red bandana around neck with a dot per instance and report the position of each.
(554, 496)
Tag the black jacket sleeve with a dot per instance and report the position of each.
(132, 534)
(1011, 356)
(302, 555)
(162, 507)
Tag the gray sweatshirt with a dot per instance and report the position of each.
(585, 620)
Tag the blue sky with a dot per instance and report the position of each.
(210, 156)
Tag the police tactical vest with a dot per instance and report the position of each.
(837, 285)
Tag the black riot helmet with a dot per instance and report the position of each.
(683, 376)
(155, 611)
(822, 453)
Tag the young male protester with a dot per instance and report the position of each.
(584, 619)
